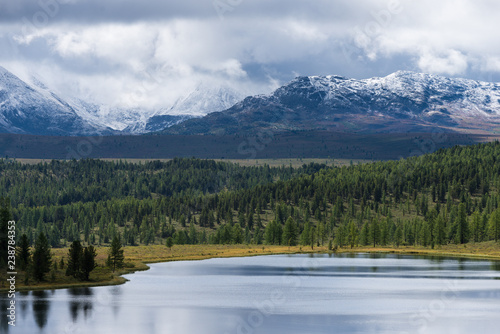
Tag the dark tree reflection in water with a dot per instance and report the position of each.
(81, 300)
(41, 307)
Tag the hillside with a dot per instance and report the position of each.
(450, 196)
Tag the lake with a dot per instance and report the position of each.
(345, 293)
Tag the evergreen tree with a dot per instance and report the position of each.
(290, 233)
(237, 234)
(475, 226)
(5, 216)
(87, 262)
(74, 259)
(462, 225)
(23, 252)
(305, 236)
(375, 232)
(340, 236)
(364, 238)
(115, 254)
(398, 235)
(273, 233)
(353, 234)
(494, 224)
(193, 236)
(439, 231)
(42, 258)
(170, 242)
(313, 237)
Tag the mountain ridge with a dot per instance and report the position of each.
(33, 109)
(400, 102)
(29, 106)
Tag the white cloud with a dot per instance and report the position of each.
(451, 63)
(492, 64)
(150, 53)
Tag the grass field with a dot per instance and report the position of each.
(136, 258)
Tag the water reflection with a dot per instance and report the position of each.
(495, 265)
(81, 300)
(41, 306)
(280, 294)
(24, 301)
(4, 321)
(116, 292)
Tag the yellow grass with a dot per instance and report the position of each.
(136, 258)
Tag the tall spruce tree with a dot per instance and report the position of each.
(87, 262)
(42, 258)
(23, 252)
(290, 232)
(74, 259)
(115, 256)
(5, 216)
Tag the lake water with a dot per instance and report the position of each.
(355, 293)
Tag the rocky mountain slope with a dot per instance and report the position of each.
(400, 102)
(34, 109)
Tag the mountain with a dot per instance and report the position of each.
(30, 107)
(200, 102)
(400, 102)
(205, 99)
(34, 109)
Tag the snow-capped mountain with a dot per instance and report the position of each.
(204, 100)
(31, 107)
(400, 102)
(34, 109)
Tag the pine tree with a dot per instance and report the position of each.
(42, 259)
(353, 234)
(193, 236)
(475, 226)
(87, 262)
(74, 259)
(170, 242)
(375, 231)
(462, 225)
(398, 235)
(290, 233)
(5, 216)
(273, 233)
(237, 234)
(305, 235)
(23, 254)
(439, 231)
(115, 255)
(494, 224)
(313, 237)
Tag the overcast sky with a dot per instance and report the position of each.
(148, 53)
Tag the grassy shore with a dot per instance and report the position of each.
(137, 257)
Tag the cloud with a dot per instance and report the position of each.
(452, 63)
(147, 54)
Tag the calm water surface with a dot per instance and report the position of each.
(290, 294)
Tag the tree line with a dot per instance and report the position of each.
(450, 196)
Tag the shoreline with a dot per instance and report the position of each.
(135, 256)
